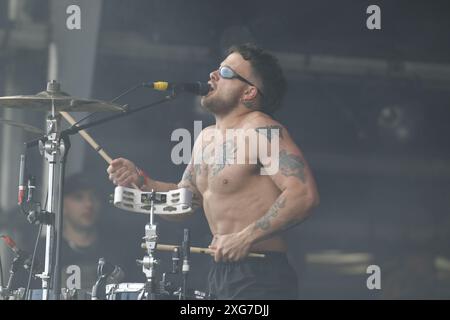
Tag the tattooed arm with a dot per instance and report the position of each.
(193, 170)
(298, 192)
(188, 181)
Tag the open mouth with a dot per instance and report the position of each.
(211, 89)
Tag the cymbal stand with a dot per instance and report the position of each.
(149, 262)
(54, 149)
(54, 146)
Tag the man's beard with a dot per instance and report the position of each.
(219, 105)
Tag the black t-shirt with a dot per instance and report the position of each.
(78, 265)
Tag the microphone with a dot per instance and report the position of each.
(31, 186)
(175, 260)
(198, 88)
(21, 193)
(185, 268)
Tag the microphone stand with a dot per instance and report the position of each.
(74, 129)
(185, 267)
(52, 149)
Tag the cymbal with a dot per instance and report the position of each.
(62, 101)
(23, 126)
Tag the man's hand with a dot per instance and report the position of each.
(123, 172)
(230, 247)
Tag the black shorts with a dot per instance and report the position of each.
(254, 279)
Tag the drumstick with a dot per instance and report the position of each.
(87, 137)
(168, 247)
(90, 140)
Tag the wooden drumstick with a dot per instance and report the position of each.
(168, 247)
(90, 140)
(87, 137)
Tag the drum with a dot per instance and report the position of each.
(124, 291)
(193, 294)
(66, 294)
(133, 291)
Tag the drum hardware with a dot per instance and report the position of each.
(53, 99)
(186, 263)
(54, 146)
(74, 294)
(169, 247)
(175, 260)
(37, 294)
(125, 291)
(180, 202)
(106, 272)
(31, 208)
(99, 288)
(17, 294)
(185, 267)
(193, 294)
(21, 261)
(149, 262)
(164, 285)
(171, 203)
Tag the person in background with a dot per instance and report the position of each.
(83, 244)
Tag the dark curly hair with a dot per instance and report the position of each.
(266, 67)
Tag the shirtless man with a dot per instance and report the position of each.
(247, 211)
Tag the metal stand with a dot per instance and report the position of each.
(149, 262)
(17, 263)
(54, 147)
(54, 151)
(99, 289)
(65, 146)
(186, 265)
(174, 202)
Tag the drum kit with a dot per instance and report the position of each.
(54, 146)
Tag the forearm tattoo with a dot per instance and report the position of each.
(292, 165)
(264, 222)
(188, 175)
(188, 181)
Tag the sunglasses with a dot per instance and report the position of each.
(228, 73)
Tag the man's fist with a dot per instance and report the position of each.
(123, 172)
